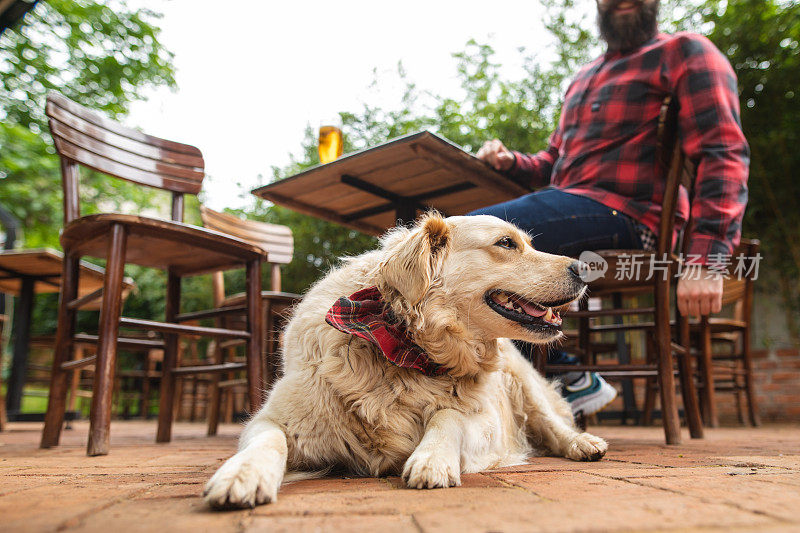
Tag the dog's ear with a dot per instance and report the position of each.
(413, 263)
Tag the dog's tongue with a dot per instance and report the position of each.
(529, 308)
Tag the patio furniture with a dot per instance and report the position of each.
(729, 369)
(26, 273)
(664, 264)
(732, 371)
(10, 225)
(278, 242)
(83, 137)
(136, 383)
(374, 189)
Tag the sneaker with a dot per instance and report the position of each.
(588, 394)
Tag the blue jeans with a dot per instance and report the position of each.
(566, 224)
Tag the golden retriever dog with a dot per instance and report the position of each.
(460, 288)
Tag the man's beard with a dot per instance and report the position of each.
(628, 32)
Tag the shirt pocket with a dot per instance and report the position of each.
(619, 109)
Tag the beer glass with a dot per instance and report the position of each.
(330, 143)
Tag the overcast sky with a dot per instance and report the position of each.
(252, 74)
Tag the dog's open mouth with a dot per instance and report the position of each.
(533, 315)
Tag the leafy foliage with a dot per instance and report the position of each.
(762, 40)
(100, 54)
(97, 53)
(760, 37)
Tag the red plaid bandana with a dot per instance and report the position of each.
(365, 314)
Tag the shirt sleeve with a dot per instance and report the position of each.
(711, 136)
(534, 170)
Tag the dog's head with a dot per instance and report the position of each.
(463, 282)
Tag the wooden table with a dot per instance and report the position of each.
(25, 273)
(374, 189)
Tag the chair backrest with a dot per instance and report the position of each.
(274, 239)
(675, 169)
(83, 137)
(678, 171)
(739, 285)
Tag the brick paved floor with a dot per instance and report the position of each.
(742, 479)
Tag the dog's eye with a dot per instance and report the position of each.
(507, 242)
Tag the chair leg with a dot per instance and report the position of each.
(214, 393)
(270, 345)
(739, 403)
(749, 381)
(108, 331)
(56, 403)
(75, 379)
(144, 402)
(650, 387)
(229, 405)
(709, 398)
(3, 417)
(193, 400)
(167, 400)
(255, 344)
(666, 377)
(688, 390)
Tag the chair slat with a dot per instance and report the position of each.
(253, 234)
(105, 165)
(733, 290)
(113, 153)
(111, 125)
(275, 239)
(250, 226)
(63, 118)
(85, 137)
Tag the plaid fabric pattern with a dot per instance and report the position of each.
(365, 314)
(647, 237)
(605, 144)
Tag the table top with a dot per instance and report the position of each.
(364, 190)
(45, 265)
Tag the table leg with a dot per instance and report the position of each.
(19, 365)
(624, 358)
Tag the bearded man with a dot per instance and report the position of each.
(603, 188)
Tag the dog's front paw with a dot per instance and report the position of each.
(244, 480)
(428, 470)
(586, 447)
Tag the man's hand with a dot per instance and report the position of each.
(497, 155)
(699, 296)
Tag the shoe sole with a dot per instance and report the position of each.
(594, 403)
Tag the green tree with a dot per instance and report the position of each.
(762, 40)
(102, 55)
(760, 37)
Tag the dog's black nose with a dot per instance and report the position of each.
(577, 267)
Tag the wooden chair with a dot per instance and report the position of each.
(82, 137)
(730, 369)
(676, 171)
(278, 242)
(136, 383)
(735, 367)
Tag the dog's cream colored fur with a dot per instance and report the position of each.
(341, 403)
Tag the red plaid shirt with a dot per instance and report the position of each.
(605, 144)
(366, 314)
